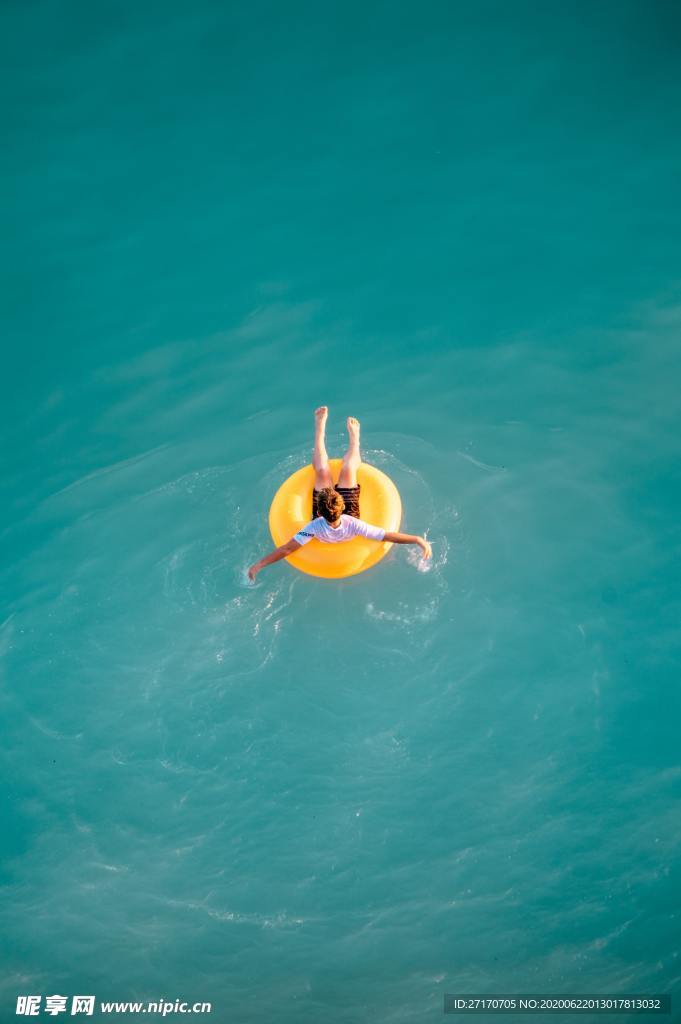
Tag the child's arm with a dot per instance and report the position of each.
(283, 551)
(408, 538)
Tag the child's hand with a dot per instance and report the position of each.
(252, 573)
(425, 548)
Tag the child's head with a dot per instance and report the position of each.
(330, 504)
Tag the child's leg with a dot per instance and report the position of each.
(352, 459)
(320, 460)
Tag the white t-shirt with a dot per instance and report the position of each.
(349, 527)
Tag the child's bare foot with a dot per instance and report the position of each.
(353, 431)
(320, 415)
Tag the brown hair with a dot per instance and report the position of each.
(330, 504)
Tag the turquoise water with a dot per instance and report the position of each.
(304, 800)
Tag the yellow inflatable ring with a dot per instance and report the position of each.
(379, 504)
